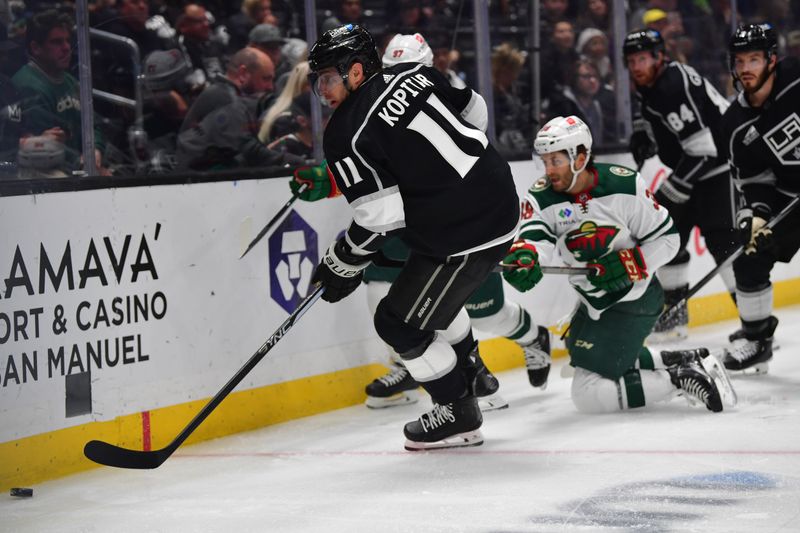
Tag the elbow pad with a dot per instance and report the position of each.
(476, 112)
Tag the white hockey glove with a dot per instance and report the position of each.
(754, 234)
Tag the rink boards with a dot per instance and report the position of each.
(123, 310)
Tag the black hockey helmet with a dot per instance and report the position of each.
(643, 41)
(754, 37)
(343, 46)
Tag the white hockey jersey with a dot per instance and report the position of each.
(617, 212)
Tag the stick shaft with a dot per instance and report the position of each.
(728, 261)
(111, 455)
(274, 219)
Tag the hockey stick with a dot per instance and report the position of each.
(565, 270)
(111, 455)
(277, 217)
(726, 263)
(381, 260)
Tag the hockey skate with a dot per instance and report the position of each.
(739, 333)
(483, 383)
(693, 380)
(537, 359)
(672, 328)
(749, 356)
(396, 387)
(450, 425)
(752, 356)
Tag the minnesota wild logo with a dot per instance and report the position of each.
(590, 241)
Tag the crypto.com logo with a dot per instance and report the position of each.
(292, 259)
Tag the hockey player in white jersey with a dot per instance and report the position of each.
(408, 152)
(603, 216)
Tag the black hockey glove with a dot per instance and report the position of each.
(340, 271)
(666, 197)
(641, 145)
(753, 233)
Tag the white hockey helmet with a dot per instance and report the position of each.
(567, 134)
(408, 49)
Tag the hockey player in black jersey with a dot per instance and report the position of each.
(762, 128)
(684, 112)
(409, 154)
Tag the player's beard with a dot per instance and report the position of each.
(760, 81)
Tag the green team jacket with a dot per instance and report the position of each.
(48, 103)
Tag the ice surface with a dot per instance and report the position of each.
(543, 467)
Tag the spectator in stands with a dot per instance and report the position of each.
(408, 17)
(50, 95)
(595, 14)
(253, 13)
(557, 57)
(250, 73)
(112, 67)
(194, 28)
(299, 141)
(586, 98)
(551, 12)
(165, 100)
(275, 123)
(593, 46)
(269, 40)
(346, 12)
(10, 112)
(221, 128)
(445, 59)
(511, 115)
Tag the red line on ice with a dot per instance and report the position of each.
(146, 443)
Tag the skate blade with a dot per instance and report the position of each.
(493, 402)
(661, 337)
(401, 398)
(755, 370)
(469, 438)
(721, 379)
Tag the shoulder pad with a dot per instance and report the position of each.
(541, 184)
(621, 171)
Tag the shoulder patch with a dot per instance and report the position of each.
(540, 184)
(621, 171)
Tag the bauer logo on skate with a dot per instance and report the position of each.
(784, 139)
(75, 307)
(293, 255)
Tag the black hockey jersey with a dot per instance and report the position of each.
(405, 159)
(685, 113)
(764, 143)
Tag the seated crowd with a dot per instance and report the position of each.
(224, 84)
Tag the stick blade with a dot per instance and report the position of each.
(109, 455)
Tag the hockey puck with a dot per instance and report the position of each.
(21, 493)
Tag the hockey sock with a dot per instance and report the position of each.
(755, 308)
(435, 368)
(526, 331)
(646, 386)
